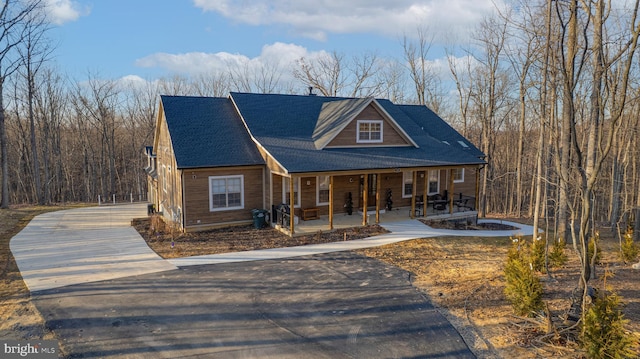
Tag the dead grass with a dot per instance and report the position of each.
(463, 276)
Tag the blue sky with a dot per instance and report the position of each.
(160, 38)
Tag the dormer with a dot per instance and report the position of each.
(358, 123)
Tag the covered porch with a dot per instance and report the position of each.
(325, 202)
(343, 220)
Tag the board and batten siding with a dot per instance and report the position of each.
(198, 215)
(348, 136)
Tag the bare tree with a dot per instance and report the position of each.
(333, 75)
(34, 52)
(13, 14)
(425, 80)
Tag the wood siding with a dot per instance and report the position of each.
(169, 177)
(348, 136)
(196, 194)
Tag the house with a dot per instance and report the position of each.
(215, 160)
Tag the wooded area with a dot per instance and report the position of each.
(548, 90)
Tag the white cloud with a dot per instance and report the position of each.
(317, 18)
(62, 11)
(277, 54)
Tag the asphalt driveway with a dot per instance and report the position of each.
(105, 294)
(338, 305)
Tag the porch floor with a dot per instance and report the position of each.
(343, 220)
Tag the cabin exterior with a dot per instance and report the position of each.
(301, 159)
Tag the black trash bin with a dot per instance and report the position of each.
(151, 209)
(259, 218)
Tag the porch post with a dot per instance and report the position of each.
(292, 207)
(476, 200)
(450, 190)
(364, 199)
(424, 193)
(414, 188)
(330, 202)
(378, 186)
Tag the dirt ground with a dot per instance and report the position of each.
(461, 275)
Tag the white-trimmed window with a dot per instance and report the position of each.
(434, 182)
(322, 190)
(458, 175)
(407, 184)
(286, 194)
(226, 193)
(369, 131)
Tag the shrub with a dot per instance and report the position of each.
(602, 332)
(523, 289)
(557, 256)
(628, 248)
(538, 248)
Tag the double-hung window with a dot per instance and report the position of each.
(434, 182)
(369, 131)
(323, 190)
(226, 193)
(407, 184)
(458, 175)
(286, 194)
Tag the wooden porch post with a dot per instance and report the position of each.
(425, 193)
(378, 186)
(414, 188)
(292, 207)
(330, 202)
(476, 200)
(364, 199)
(450, 191)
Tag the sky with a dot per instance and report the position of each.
(149, 39)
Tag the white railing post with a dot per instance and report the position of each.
(99, 201)
(131, 197)
(114, 198)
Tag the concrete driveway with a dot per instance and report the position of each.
(107, 295)
(82, 245)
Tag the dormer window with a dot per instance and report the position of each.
(369, 131)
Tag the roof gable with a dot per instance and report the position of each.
(335, 116)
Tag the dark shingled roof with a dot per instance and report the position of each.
(207, 132)
(285, 126)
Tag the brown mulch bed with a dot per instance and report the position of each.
(173, 244)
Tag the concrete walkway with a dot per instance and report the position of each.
(400, 231)
(91, 244)
(62, 248)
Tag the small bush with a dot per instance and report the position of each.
(557, 256)
(523, 288)
(602, 332)
(628, 248)
(538, 248)
(157, 225)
